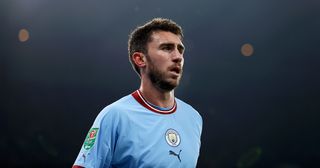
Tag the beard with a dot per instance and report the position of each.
(158, 78)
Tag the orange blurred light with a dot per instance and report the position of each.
(247, 50)
(23, 35)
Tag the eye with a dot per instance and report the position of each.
(167, 47)
(181, 49)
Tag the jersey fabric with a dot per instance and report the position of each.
(132, 133)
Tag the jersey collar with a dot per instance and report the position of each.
(139, 98)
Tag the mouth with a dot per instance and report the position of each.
(175, 69)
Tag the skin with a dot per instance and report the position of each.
(161, 68)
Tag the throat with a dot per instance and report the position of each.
(155, 108)
(158, 99)
(155, 95)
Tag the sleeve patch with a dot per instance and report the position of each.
(90, 138)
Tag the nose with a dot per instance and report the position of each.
(177, 56)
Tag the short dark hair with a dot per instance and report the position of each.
(140, 36)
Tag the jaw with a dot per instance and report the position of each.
(165, 83)
(165, 79)
(170, 82)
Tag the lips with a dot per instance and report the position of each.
(175, 69)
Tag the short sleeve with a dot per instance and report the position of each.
(98, 147)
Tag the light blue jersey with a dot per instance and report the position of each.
(132, 133)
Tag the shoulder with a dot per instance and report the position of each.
(114, 110)
(187, 107)
(189, 114)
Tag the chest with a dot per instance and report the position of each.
(157, 141)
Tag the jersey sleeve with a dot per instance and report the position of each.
(97, 149)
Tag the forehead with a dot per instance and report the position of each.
(160, 37)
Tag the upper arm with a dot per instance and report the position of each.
(97, 149)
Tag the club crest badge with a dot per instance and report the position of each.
(90, 139)
(172, 137)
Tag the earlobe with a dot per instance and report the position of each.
(139, 59)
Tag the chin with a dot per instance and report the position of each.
(167, 86)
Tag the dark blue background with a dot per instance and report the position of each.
(259, 111)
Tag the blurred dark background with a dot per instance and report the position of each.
(251, 69)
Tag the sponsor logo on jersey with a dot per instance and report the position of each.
(90, 139)
(172, 137)
(175, 154)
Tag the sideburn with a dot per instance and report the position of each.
(157, 78)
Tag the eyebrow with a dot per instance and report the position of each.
(180, 46)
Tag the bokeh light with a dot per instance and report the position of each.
(247, 50)
(23, 35)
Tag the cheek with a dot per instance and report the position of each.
(156, 65)
(161, 61)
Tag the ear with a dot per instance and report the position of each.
(139, 59)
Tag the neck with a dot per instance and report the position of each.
(155, 95)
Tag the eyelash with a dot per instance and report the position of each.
(167, 48)
(170, 48)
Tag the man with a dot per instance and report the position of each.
(150, 127)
